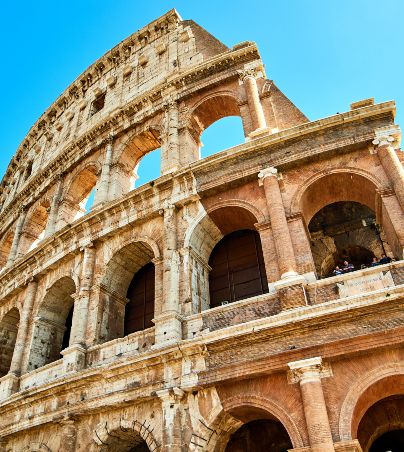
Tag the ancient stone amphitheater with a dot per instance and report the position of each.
(200, 311)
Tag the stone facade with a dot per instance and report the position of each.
(309, 357)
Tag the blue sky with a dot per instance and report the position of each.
(322, 54)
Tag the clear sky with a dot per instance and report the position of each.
(322, 54)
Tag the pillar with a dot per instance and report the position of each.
(17, 236)
(102, 192)
(21, 340)
(173, 419)
(390, 161)
(170, 158)
(280, 230)
(68, 435)
(54, 209)
(308, 373)
(168, 322)
(74, 355)
(254, 102)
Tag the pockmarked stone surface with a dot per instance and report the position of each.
(251, 300)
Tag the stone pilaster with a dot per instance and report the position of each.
(80, 314)
(102, 191)
(280, 230)
(170, 158)
(21, 340)
(168, 322)
(385, 138)
(308, 373)
(254, 101)
(17, 235)
(54, 209)
(68, 435)
(173, 419)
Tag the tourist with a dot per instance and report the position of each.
(384, 260)
(337, 271)
(347, 267)
(375, 262)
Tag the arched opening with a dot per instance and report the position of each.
(5, 247)
(345, 221)
(222, 134)
(208, 112)
(139, 310)
(226, 258)
(53, 324)
(127, 292)
(262, 435)
(341, 232)
(80, 196)
(34, 228)
(139, 162)
(260, 432)
(237, 268)
(8, 335)
(381, 428)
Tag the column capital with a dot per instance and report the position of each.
(387, 136)
(308, 370)
(267, 172)
(170, 395)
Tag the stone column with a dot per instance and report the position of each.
(173, 421)
(17, 236)
(254, 102)
(390, 161)
(280, 230)
(168, 322)
(21, 340)
(308, 373)
(102, 191)
(68, 435)
(170, 158)
(54, 209)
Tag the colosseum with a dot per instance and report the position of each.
(248, 301)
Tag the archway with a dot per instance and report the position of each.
(382, 427)
(215, 225)
(53, 323)
(34, 228)
(127, 282)
(8, 336)
(343, 213)
(261, 432)
(237, 268)
(5, 247)
(78, 198)
(344, 231)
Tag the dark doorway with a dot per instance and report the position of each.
(238, 269)
(260, 436)
(389, 442)
(139, 311)
(68, 329)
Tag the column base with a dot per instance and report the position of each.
(9, 384)
(291, 292)
(259, 133)
(74, 358)
(168, 329)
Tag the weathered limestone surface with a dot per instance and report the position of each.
(311, 357)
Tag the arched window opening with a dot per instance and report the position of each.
(8, 336)
(53, 323)
(140, 160)
(34, 228)
(5, 247)
(81, 194)
(345, 231)
(226, 133)
(223, 134)
(237, 268)
(130, 274)
(147, 169)
(28, 171)
(260, 435)
(381, 428)
(139, 311)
